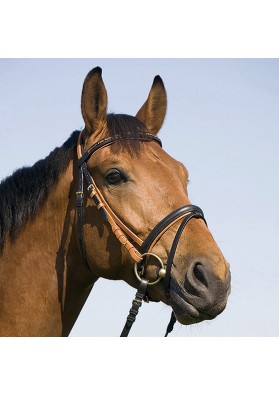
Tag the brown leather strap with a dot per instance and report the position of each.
(116, 219)
(116, 228)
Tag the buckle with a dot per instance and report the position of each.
(79, 199)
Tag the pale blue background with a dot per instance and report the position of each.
(222, 123)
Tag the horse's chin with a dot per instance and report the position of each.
(185, 312)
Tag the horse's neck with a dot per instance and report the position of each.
(44, 282)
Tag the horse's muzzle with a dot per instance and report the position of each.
(202, 297)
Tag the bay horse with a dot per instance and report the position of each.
(111, 203)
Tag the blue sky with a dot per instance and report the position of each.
(222, 123)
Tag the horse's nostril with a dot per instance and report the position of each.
(197, 280)
(199, 273)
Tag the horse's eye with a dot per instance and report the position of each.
(114, 176)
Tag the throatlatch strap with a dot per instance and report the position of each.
(136, 304)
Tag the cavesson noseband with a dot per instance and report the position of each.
(144, 248)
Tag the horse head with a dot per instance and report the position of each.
(137, 186)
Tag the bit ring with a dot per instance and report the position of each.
(161, 272)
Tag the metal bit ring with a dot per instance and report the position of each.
(161, 273)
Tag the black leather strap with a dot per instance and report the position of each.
(165, 222)
(171, 324)
(136, 304)
(198, 214)
(79, 206)
(109, 140)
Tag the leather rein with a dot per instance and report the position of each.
(125, 236)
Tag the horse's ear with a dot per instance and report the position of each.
(153, 111)
(94, 100)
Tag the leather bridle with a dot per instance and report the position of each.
(126, 237)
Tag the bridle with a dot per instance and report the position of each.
(126, 237)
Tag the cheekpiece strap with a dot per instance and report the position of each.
(117, 226)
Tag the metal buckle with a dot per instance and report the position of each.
(90, 188)
(161, 272)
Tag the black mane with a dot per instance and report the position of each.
(22, 193)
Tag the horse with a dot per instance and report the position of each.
(109, 203)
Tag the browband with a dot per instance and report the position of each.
(109, 140)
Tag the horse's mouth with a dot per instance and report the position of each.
(186, 313)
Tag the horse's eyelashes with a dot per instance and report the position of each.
(115, 176)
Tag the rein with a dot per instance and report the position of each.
(141, 253)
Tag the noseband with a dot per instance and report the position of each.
(143, 249)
